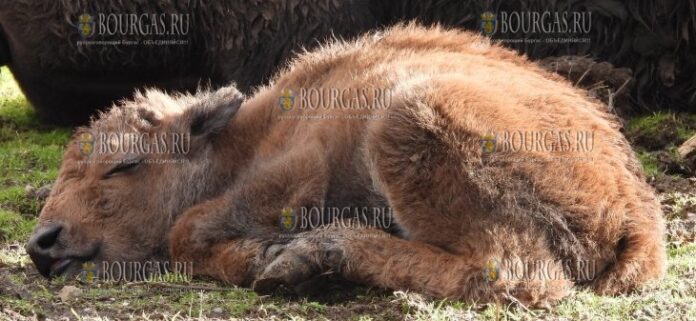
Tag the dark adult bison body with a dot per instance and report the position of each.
(219, 42)
(401, 119)
(245, 42)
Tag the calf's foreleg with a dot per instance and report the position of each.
(227, 238)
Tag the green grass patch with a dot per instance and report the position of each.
(657, 136)
(14, 108)
(651, 165)
(655, 124)
(14, 227)
(661, 130)
(30, 154)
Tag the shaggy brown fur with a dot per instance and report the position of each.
(457, 208)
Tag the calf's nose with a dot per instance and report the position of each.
(40, 245)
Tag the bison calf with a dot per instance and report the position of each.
(489, 165)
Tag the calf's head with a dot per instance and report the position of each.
(126, 177)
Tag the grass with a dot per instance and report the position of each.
(651, 166)
(656, 138)
(653, 125)
(30, 154)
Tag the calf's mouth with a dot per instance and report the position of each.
(52, 257)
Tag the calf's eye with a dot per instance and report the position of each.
(122, 168)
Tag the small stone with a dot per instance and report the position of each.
(217, 310)
(29, 191)
(69, 292)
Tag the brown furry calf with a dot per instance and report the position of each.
(470, 215)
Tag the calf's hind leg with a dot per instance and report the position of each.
(376, 258)
(452, 243)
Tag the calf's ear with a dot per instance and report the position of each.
(212, 112)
